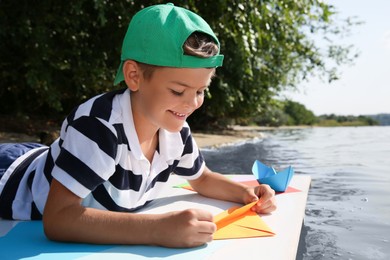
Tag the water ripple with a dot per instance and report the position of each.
(348, 198)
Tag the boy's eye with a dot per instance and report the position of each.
(177, 93)
(200, 93)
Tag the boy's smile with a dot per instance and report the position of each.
(180, 116)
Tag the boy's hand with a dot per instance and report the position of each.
(265, 196)
(65, 219)
(187, 228)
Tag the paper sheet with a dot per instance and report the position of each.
(240, 222)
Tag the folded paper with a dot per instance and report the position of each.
(267, 175)
(240, 222)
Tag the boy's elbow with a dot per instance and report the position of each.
(56, 226)
(60, 213)
(50, 228)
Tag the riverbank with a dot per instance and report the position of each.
(233, 134)
(203, 139)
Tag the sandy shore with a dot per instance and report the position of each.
(236, 134)
(226, 137)
(216, 139)
(203, 140)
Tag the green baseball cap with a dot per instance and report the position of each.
(156, 35)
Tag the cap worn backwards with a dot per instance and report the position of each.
(156, 35)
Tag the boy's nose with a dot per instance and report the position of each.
(193, 101)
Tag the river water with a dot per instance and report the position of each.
(348, 207)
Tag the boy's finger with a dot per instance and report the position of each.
(203, 215)
(207, 227)
(265, 192)
(265, 207)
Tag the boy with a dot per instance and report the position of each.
(117, 150)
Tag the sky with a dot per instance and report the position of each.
(363, 88)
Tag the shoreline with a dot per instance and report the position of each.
(236, 134)
(202, 139)
(232, 135)
(219, 140)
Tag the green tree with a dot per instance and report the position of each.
(298, 113)
(341, 120)
(54, 54)
(268, 47)
(273, 115)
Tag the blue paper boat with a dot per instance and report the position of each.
(267, 175)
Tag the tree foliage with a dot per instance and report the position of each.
(340, 120)
(382, 119)
(298, 114)
(54, 54)
(286, 112)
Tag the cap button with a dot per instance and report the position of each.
(170, 4)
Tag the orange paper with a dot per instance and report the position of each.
(240, 222)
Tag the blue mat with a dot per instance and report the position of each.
(27, 241)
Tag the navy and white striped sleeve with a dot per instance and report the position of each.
(87, 155)
(191, 164)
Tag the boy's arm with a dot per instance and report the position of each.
(65, 219)
(217, 186)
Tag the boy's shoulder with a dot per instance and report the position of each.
(100, 106)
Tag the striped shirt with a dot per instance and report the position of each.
(98, 157)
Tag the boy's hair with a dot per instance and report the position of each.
(169, 36)
(198, 44)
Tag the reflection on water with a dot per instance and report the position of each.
(348, 208)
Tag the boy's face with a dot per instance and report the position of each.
(171, 95)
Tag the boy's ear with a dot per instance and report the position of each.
(132, 74)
